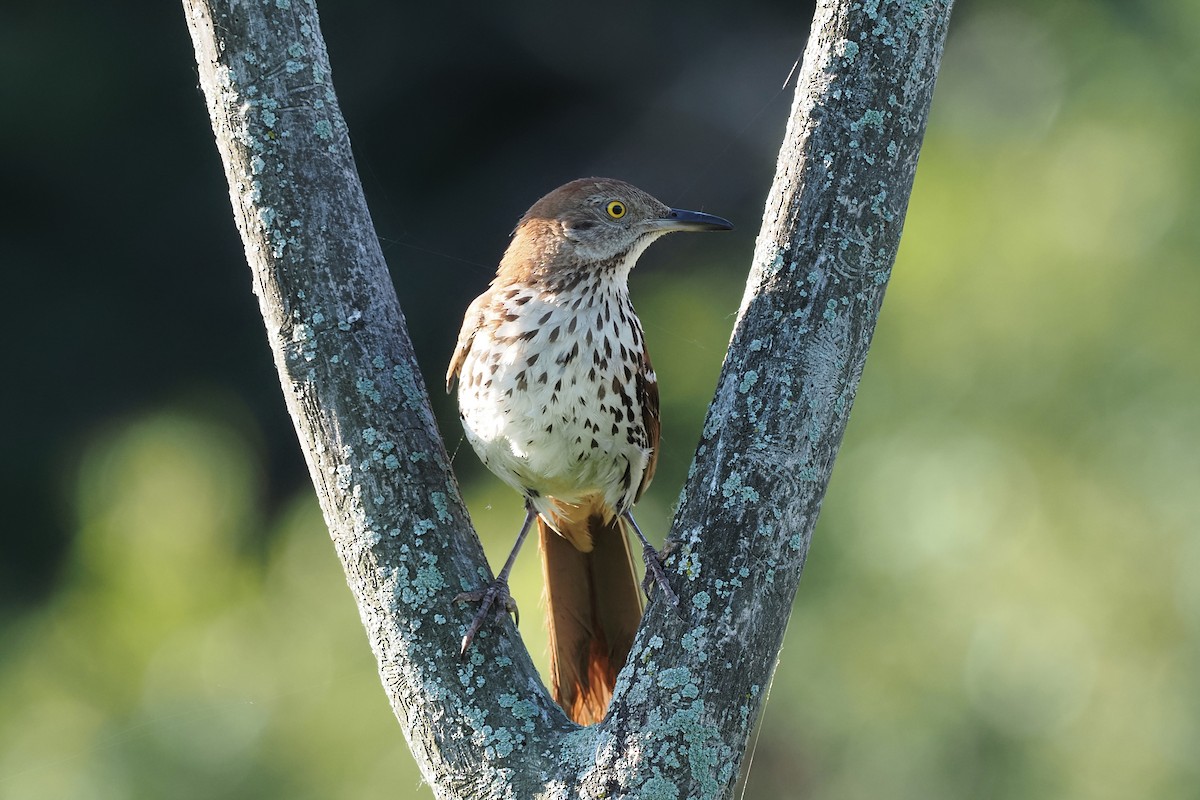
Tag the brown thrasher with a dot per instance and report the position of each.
(558, 398)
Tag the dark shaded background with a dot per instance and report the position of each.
(1002, 598)
(126, 275)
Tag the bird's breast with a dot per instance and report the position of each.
(547, 392)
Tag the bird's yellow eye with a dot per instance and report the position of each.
(616, 209)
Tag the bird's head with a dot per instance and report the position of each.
(594, 223)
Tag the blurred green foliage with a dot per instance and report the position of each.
(178, 662)
(1003, 595)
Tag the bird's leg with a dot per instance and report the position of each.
(654, 570)
(497, 590)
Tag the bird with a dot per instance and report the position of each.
(558, 398)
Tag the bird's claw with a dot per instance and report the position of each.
(655, 574)
(496, 594)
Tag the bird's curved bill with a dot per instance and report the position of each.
(679, 220)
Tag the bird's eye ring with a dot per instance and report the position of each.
(616, 209)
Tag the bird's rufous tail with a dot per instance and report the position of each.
(593, 606)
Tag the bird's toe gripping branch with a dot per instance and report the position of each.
(496, 594)
(655, 574)
(495, 599)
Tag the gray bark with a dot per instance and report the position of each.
(688, 698)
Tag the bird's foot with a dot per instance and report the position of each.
(495, 600)
(657, 575)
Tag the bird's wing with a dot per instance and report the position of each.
(647, 390)
(471, 322)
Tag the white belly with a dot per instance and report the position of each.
(551, 407)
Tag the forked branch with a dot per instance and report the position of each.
(686, 701)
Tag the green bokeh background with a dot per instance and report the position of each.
(1003, 595)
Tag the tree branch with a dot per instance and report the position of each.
(821, 265)
(686, 701)
(356, 396)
